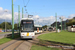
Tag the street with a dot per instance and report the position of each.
(3, 35)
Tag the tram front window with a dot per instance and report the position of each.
(28, 27)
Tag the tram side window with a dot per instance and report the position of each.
(74, 26)
(35, 28)
(71, 26)
(40, 28)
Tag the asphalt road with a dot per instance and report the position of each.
(3, 35)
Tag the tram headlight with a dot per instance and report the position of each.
(32, 34)
(41, 31)
(22, 34)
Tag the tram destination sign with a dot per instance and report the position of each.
(27, 22)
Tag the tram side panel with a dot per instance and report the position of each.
(38, 30)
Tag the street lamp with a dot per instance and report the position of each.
(65, 25)
(56, 21)
(43, 22)
(34, 22)
(48, 24)
(61, 22)
(5, 22)
(38, 21)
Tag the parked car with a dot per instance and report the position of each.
(3, 30)
(50, 29)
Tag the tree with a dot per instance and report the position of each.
(71, 22)
(8, 25)
(44, 26)
(3, 25)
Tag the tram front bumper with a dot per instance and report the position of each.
(24, 37)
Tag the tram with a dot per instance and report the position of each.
(37, 29)
(27, 28)
(71, 28)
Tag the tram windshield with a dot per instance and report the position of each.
(27, 26)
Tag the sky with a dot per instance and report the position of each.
(43, 9)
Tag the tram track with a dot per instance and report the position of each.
(18, 45)
(22, 44)
(13, 45)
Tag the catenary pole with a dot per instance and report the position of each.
(12, 20)
(61, 24)
(65, 25)
(22, 12)
(56, 21)
(19, 17)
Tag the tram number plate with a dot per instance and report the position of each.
(27, 34)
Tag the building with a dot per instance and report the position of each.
(59, 25)
(0, 30)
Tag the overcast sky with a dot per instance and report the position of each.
(43, 9)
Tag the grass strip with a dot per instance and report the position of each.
(63, 37)
(7, 39)
(37, 47)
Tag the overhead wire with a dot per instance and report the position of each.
(23, 2)
(27, 3)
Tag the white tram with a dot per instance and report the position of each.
(37, 29)
(27, 28)
(71, 28)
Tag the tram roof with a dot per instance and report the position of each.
(27, 19)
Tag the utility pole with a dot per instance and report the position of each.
(12, 20)
(43, 21)
(56, 21)
(5, 22)
(38, 21)
(61, 24)
(19, 17)
(22, 12)
(65, 25)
